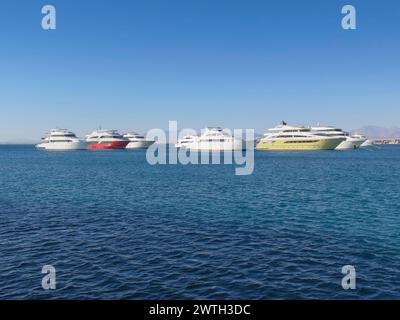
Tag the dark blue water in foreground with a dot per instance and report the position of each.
(115, 227)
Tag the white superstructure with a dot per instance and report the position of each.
(61, 139)
(186, 140)
(212, 139)
(137, 141)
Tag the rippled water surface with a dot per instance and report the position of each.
(115, 227)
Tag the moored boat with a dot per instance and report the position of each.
(212, 139)
(287, 138)
(61, 140)
(106, 139)
(137, 141)
(351, 142)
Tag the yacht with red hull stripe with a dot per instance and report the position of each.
(106, 139)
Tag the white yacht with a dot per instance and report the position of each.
(137, 141)
(212, 139)
(61, 139)
(285, 137)
(351, 141)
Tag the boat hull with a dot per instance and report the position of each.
(62, 146)
(108, 145)
(139, 144)
(367, 143)
(350, 144)
(299, 144)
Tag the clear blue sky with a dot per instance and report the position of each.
(134, 65)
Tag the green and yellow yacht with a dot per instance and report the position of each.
(284, 137)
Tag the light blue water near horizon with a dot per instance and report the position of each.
(115, 227)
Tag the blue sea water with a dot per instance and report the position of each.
(115, 227)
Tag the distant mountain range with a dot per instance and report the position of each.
(375, 132)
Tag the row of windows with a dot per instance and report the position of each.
(211, 140)
(289, 136)
(106, 137)
(63, 135)
(332, 135)
(303, 141)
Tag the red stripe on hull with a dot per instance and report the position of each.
(109, 145)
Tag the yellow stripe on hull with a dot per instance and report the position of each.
(299, 144)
